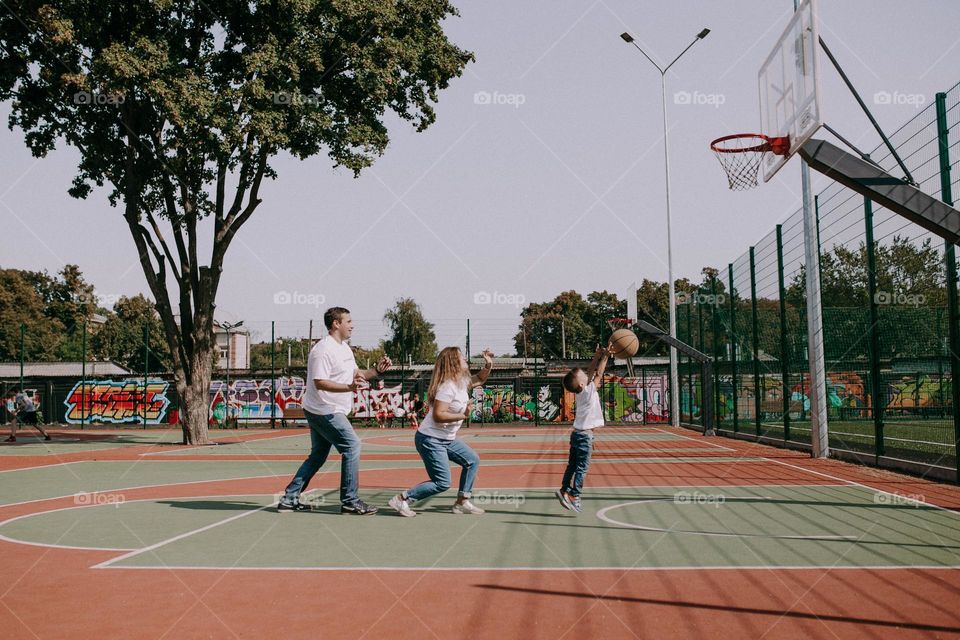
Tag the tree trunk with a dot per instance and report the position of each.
(195, 397)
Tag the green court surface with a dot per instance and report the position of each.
(29, 443)
(769, 526)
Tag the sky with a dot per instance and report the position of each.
(544, 171)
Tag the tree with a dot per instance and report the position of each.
(601, 307)
(21, 304)
(180, 106)
(546, 326)
(411, 336)
(121, 338)
(69, 300)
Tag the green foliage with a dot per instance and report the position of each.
(412, 337)
(121, 338)
(22, 304)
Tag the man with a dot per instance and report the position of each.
(332, 377)
(24, 412)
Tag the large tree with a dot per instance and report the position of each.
(411, 336)
(180, 105)
(22, 305)
(122, 336)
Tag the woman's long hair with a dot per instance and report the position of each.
(446, 368)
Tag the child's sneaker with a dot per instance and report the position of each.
(564, 499)
(575, 503)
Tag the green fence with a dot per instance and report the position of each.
(889, 300)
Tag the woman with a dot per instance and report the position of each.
(436, 439)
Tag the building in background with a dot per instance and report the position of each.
(239, 347)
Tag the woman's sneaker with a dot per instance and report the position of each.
(402, 506)
(467, 507)
(563, 498)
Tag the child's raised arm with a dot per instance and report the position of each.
(599, 364)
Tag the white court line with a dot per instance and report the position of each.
(602, 514)
(51, 545)
(905, 567)
(163, 543)
(868, 487)
(43, 466)
(133, 488)
(695, 439)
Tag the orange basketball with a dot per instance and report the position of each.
(624, 343)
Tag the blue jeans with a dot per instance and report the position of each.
(327, 431)
(437, 455)
(581, 446)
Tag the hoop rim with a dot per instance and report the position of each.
(780, 145)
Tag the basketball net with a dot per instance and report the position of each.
(741, 154)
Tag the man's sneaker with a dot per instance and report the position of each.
(575, 503)
(563, 498)
(11, 439)
(467, 507)
(291, 507)
(47, 438)
(358, 508)
(402, 506)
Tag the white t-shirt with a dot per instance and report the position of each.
(24, 403)
(453, 392)
(329, 360)
(589, 410)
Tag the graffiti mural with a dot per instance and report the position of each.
(641, 399)
(255, 399)
(118, 402)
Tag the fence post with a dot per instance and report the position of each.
(784, 347)
(733, 348)
(83, 376)
(690, 368)
(757, 398)
(273, 375)
(146, 369)
(876, 389)
(716, 348)
(946, 194)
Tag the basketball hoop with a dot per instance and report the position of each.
(740, 156)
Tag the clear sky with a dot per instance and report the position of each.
(556, 183)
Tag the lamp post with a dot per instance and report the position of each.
(674, 377)
(226, 392)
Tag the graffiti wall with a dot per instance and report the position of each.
(253, 399)
(118, 402)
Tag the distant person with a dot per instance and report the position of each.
(24, 412)
(332, 377)
(436, 440)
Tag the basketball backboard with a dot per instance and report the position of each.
(789, 82)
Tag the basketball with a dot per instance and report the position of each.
(624, 343)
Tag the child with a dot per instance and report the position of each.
(589, 415)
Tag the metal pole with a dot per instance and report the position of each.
(690, 367)
(146, 369)
(733, 349)
(671, 294)
(23, 334)
(468, 340)
(83, 376)
(226, 391)
(953, 317)
(273, 376)
(819, 437)
(757, 391)
(876, 398)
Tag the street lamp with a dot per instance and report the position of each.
(674, 377)
(226, 393)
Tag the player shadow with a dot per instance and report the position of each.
(212, 505)
(777, 613)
